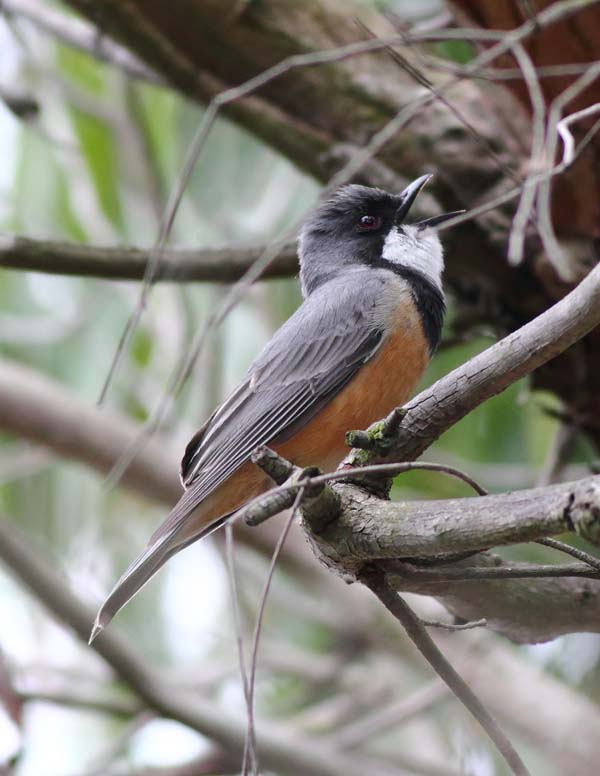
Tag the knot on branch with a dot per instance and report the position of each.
(379, 437)
(320, 505)
(582, 512)
(276, 467)
(373, 444)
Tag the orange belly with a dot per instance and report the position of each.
(386, 381)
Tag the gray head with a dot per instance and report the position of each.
(362, 226)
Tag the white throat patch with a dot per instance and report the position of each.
(416, 249)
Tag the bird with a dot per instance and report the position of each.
(371, 318)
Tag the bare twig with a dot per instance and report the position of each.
(178, 265)
(532, 181)
(584, 557)
(420, 77)
(250, 745)
(516, 238)
(505, 74)
(563, 130)
(250, 755)
(377, 583)
(551, 245)
(517, 571)
(282, 497)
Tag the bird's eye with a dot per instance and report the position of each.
(369, 223)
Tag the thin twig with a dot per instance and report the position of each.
(546, 229)
(476, 574)
(585, 557)
(507, 196)
(250, 744)
(376, 582)
(516, 238)
(420, 78)
(454, 626)
(505, 74)
(307, 482)
(258, 628)
(566, 135)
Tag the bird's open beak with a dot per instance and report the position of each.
(409, 195)
(437, 220)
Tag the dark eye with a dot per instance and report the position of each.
(369, 223)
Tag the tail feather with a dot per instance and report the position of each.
(143, 569)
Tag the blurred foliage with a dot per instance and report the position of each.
(96, 166)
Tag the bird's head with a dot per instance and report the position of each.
(362, 226)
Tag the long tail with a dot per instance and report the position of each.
(144, 567)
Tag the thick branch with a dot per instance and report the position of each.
(530, 610)
(438, 407)
(177, 265)
(355, 528)
(370, 528)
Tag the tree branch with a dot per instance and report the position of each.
(523, 609)
(355, 528)
(438, 407)
(370, 528)
(177, 265)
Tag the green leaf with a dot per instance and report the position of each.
(99, 149)
(81, 69)
(461, 51)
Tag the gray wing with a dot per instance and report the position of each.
(308, 361)
(317, 351)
